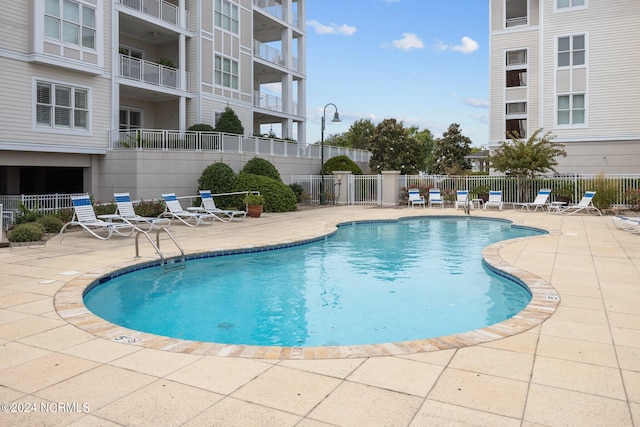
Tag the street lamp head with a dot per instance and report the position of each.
(336, 117)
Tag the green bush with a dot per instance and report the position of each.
(30, 232)
(105, 208)
(229, 122)
(50, 223)
(260, 166)
(278, 196)
(341, 163)
(220, 178)
(25, 216)
(150, 208)
(202, 127)
(298, 190)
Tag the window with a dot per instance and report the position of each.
(226, 16)
(62, 107)
(516, 62)
(571, 51)
(226, 72)
(563, 4)
(516, 108)
(516, 13)
(517, 128)
(70, 22)
(516, 78)
(517, 57)
(571, 109)
(130, 119)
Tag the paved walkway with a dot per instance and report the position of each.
(580, 367)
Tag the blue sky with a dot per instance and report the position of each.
(423, 62)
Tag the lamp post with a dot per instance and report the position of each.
(336, 119)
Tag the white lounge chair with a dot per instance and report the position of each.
(224, 215)
(585, 204)
(174, 210)
(631, 224)
(126, 212)
(435, 198)
(462, 199)
(495, 200)
(415, 198)
(85, 217)
(541, 201)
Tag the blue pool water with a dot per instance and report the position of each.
(368, 283)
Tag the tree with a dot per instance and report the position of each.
(536, 155)
(360, 133)
(393, 147)
(525, 159)
(449, 152)
(229, 122)
(425, 137)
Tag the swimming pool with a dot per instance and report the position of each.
(369, 283)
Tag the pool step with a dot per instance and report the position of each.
(167, 264)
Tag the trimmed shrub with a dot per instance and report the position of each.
(341, 163)
(298, 190)
(50, 223)
(278, 196)
(202, 127)
(149, 208)
(30, 232)
(262, 167)
(220, 178)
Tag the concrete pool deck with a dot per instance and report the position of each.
(580, 367)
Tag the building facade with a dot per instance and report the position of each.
(78, 76)
(568, 67)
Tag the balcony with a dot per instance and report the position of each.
(159, 9)
(273, 103)
(276, 10)
(151, 73)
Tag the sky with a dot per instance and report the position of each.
(422, 62)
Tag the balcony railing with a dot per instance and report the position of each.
(151, 73)
(160, 9)
(273, 103)
(268, 53)
(173, 140)
(514, 22)
(276, 10)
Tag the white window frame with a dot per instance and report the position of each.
(227, 20)
(72, 129)
(572, 110)
(82, 24)
(571, 6)
(516, 67)
(572, 51)
(220, 73)
(129, 110)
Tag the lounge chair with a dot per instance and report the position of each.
(435, 198)
(495, 200)
(585, 204)
(126, 212)
(224, 215)
(85, 217)
(541, 201)
(631, 224)
(462, 199)
(415, 198)
(174, 210)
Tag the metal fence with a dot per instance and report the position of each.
(43, 203)
(173, 140)
(611, 190)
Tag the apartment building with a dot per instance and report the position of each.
(569, 67)
(80, 79)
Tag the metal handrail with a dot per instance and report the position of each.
(156, 246)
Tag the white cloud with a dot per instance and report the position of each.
(408, 41)
(467, 45)
(477, 103)
(344, 29)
